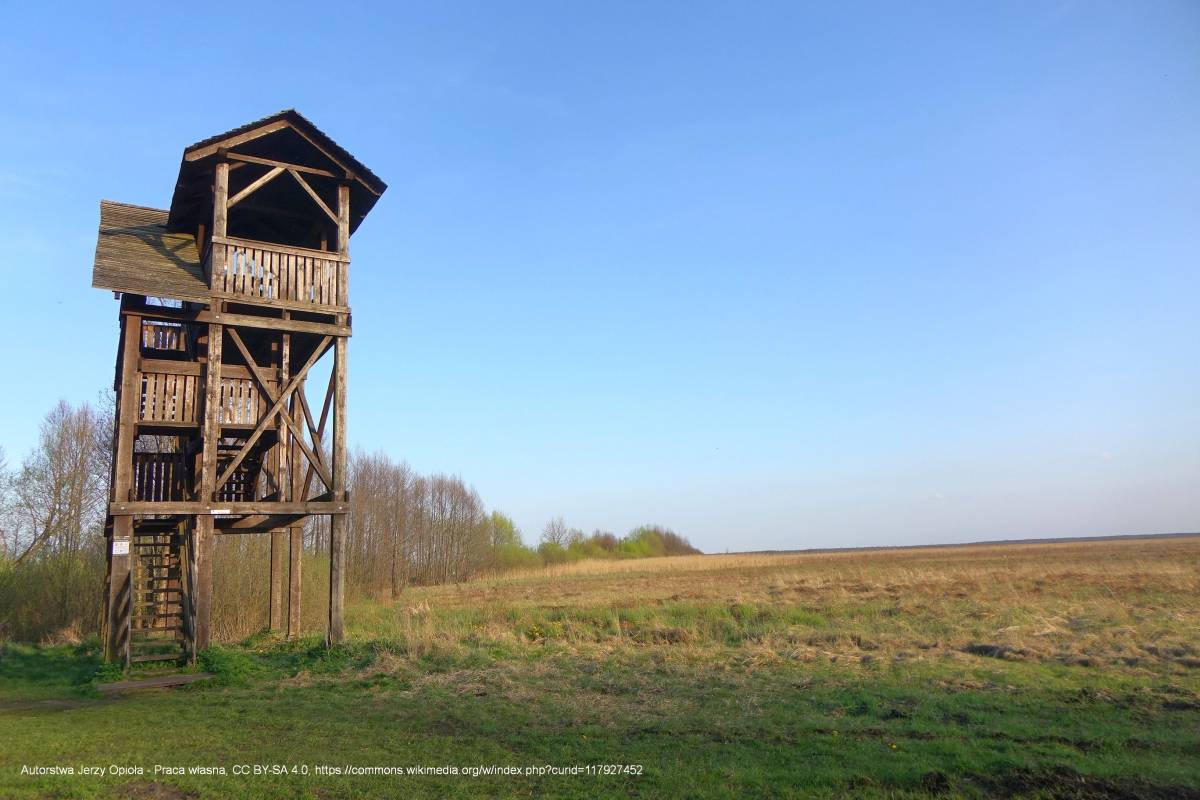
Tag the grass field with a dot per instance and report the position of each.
(1049, 670)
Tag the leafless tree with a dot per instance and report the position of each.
(59, 494)
(556, 532)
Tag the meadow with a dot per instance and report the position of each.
(1066, 670)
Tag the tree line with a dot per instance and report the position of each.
(405, 528)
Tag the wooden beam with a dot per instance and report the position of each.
(210, 510)
(244, 320)
(283, 305)
(337, 161)
(316, 198)
(307, 252)
(234, 141)
(312, 428)
(255, 522)
(320, 430)
(273, 323)
(271, 175)
(270, 162)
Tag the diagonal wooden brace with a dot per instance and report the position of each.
(275, 406)
(284, 414)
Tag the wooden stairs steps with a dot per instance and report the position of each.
(156, 626)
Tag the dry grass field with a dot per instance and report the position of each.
(1064, 670)
(1121, 604)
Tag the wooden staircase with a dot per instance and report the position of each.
(159, 618)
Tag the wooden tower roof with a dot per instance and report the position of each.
(154, 252)
(286, 136)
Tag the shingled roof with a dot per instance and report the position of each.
(135, 253)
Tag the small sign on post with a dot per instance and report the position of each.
(120, 547)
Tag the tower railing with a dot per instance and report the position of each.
(275, 274)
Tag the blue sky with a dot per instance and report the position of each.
(793, 275)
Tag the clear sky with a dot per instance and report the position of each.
(795, 275)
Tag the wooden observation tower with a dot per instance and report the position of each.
(228, 301)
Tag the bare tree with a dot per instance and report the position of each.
(556, 532)
(60, 491)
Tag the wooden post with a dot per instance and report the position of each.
(283, 482)
(295, 550)
(208, 480)
(220, 222)
(211, 432)
(337, 526)
(343, 268)
(278, 539)
(295, 544)
(119, 602)
(337, 523)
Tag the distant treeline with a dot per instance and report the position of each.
(404, 528)
(410, 528)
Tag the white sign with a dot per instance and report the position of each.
(120, 547)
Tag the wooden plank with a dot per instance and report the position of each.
(157, 657)
(158, 682)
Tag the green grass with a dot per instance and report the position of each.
(698, 727)
(718, 682)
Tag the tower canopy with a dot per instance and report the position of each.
(281, 209)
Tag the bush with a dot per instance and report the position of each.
(55, 598)
(516, 556)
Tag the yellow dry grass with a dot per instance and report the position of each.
(1124, 604)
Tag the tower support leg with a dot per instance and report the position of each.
(295, 550)
(278, 539)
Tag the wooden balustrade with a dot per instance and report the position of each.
(169, 397)
(160, 477)
(241, 401)
(177, 399)
(159, 335)
(261, 272)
